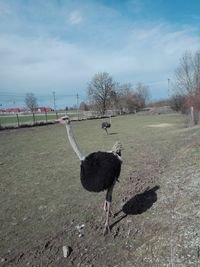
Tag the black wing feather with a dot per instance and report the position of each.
(99, 170)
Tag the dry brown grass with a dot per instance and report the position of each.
(42, 200)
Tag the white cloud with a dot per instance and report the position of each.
(149, 55)
(40, 54)
(75, 17)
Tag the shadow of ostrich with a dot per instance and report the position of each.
(138, 204)
(113, 133)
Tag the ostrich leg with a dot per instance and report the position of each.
(107, 205)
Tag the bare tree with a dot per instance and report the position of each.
(100, 90)
(130, 100)
(143, 94)
(188, 84)
(31, 101)
(123, 96)
(177, 103)
(124, 88)
(188, 74)
(197, 71)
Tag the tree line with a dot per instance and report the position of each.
(104, 93)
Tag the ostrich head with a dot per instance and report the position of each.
(117, 148)
(64, 120)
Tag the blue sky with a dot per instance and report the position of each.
(58, 45)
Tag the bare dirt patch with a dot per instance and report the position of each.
(160, 125)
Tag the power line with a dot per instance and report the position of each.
(39, 95)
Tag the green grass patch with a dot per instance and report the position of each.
(14, 119)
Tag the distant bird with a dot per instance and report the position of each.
(99, 171)
(106, 125)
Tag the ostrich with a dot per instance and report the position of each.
(106, 125)
(99, 171)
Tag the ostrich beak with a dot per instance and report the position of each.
(63, 120)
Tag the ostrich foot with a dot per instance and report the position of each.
(106, 230)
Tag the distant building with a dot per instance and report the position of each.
(83, 106)
(13, 110)
(23, 110)
(43, 109)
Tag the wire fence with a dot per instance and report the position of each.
(10, 120)
(18, 119)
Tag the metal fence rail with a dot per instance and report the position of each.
(34, 118)
(19, 119)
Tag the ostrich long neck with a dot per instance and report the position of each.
(73, 141)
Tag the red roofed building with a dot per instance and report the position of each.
(13, 110)
(43, 109)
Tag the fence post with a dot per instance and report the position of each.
(17, 120)
(46, 115)
(33, 118)
(191, 122)
(57, 115)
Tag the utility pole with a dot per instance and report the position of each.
(168, 85)
(77, 98)
(54, 101)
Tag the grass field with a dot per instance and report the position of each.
(13, 119)
(42, 200)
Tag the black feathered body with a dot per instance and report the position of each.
(105, 125)
(99, 171)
